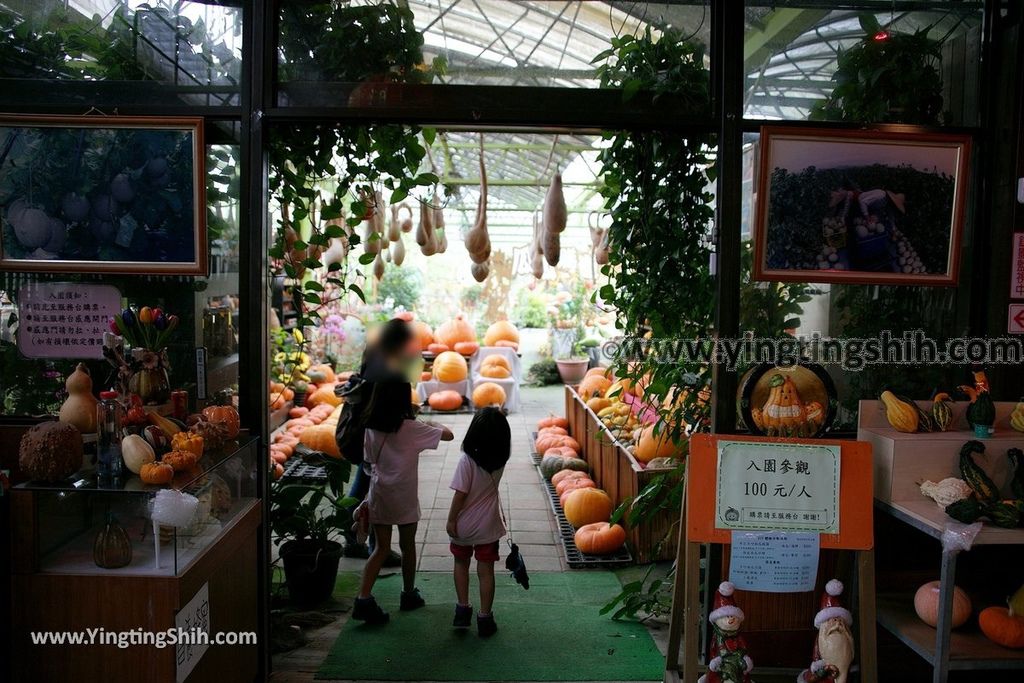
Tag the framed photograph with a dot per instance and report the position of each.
(105, 194)
(860, 206)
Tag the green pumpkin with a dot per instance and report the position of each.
(317, 377)
(982, 411)
(551, 465)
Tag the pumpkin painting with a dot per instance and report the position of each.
(600, 538)
(502, 330)
(488, 394)
(926, 604)
(445, 400)
(1002, 626)
(454, 331)
(450, 367)
(587, 505)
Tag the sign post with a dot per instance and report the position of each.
(783, 492)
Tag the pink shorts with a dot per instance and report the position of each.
(488, 552)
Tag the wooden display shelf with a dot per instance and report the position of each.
(925, 516)
(968, 647)
(615, 470)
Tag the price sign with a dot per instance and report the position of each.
(766, 485)
(774, 561)
(65, 319)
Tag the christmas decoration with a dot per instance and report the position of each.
(727, 653)
(833, 649)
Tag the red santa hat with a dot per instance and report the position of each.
(831, 607)
(724, 605)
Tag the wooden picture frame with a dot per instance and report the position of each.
(824, 214)
(103, 194)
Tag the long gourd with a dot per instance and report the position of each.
(478, 241)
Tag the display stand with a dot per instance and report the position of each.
(698, 526)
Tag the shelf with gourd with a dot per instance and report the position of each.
(305, 414)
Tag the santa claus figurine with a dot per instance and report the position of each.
(727, 653)
(833, 649)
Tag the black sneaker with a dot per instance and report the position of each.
(367, 609)
(463, 616)
(411, 600)
(486, 626)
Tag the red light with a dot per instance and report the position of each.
(882, 35)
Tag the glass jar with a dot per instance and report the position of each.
(109, 431)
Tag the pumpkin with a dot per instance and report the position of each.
(156, 473)
(79, 408)
(505, 343)
(902, 416)
(560, 451)
(112, 548)
(926, 604)
(467, 348)
(423, 334)
(662, 464)
(298, 411)
(445, 400)
(597, 404)
(600, 538)
(546, 441)
(454, 331)
(321, 438)
(228, 416)
(650, 445)
(1002, 626)
(495, 372)
(586, 506)
(187, 441)
(496, 359)
(560, 431)
(594, 385)
(136, 452)
(488, 394)
(501, 330)
(550, 466)
(180, 460)
(426, 376)
(437, 349)
(450, 367)
(560, 476)
(597, 372)
(323, 394)
(567, 485)
(326, 370)
(552, 421)
(278, 471)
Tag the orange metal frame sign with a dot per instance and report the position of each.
(856, 491)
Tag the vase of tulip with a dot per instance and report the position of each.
(144, 370)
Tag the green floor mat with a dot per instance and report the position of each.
(552, 632)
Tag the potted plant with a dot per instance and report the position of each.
(305, 521)
(572, 368)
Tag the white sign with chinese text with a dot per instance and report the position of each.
(774, 561)
(65, 319)
(193, 617)
(764, 485)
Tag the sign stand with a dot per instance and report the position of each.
(698, 525)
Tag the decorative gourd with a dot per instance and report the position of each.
(926, 604)
(502, 330)
(942, 411)
(496, 359)
(445, 400)
(984, 488)
(450, 367)
(438, 348)
(594, 385)
(1017, 416)
(467, 348)
(495, 371)
(586, 506)
(1002, 626)
(600, 538)
(320, 438)
(136, 452)
(562, 475)
(650, 445)
(156, 438)
(546, 441)
(1005, 513)
(79, 408)
(112, 548)
(902, 416)
(50, 451)
(576, 485)
(315, 377)
(598, 404)
(946, 492)
(158, 473)
(1016, 458)
(181, 460)
(228, 416)
(323, 394)
(552, 421)
(488, 394)
(168, 427)
(423, 333)
(187, 441)
(454, 331)
(982, 411)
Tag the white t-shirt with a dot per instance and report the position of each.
(479, 523)
(394, 481)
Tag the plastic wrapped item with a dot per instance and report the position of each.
(958, 537)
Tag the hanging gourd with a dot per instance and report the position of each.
(79, 408)
(394, 231)
(398, 251)
(425, 236)
(478, 241)
(537, 260)
(440, 237)
(479, 271)
(554, 219)
(405, 217)
(336, 252)
(378, 266)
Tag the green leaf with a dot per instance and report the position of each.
(869, 23)
(355, 289)
(631, 88)
(399, 194)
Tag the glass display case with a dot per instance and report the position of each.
(83, 527)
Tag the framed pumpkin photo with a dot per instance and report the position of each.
(793, 401)
(860, 206)
(104, 194)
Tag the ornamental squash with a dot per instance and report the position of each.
(507, 344)
(552, 421)
(902, 416)
(598, 372)
(187, 441)
(445, 400)
(488, 394)
(597, 404)
(566, 485)
(180, 460)
(502, 330)
(454, 331)
(450, 367)
(784, 413)
(136, 452)
(550, 466)
(926, 604)
(594, 385)
(112, 548)
(600, 538)
(587, 506)
(494, 371)
(228, 416)
(650, 445)
(982, 410)
(942, 411)
(320, 438)
(326, 370)
(79, 408)
(562, 431)
(1002, 626)
(984, 488)
(1017, 416)
(158, 473)
(559, 452)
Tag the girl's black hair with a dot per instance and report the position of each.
(389, 406)
(488, 440)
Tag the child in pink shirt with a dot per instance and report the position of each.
(475, 523)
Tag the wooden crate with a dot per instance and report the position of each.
(615, 470)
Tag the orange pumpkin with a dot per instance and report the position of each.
(320, 438)
(562, 475)
(597, 372)
(467, 348)
(552, 421)
(187, 441)
(494, 371)
(450, 367)
(496, 359)
(323, 394)
(326, 370)
(600, 538)
(567, 485)
(488, 394)
(546, 441)
(454, 331)
(1002, 627)
(437, 348)
(227, 416)
(552, 430)
(156, 473)
(506, 343)
(650, 445)
(423, 333)
(298, 411)
(445, 400)
(180, 460)
(594, 385)
(502, 330)
(278, 471)
(426, 376)
(586, 505)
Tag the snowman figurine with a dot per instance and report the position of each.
(727, 653)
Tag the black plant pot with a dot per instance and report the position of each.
(310, 570)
